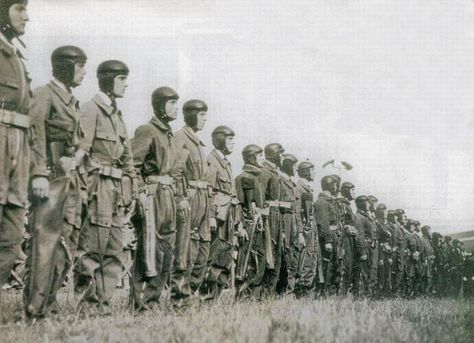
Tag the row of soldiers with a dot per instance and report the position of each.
(200, 231)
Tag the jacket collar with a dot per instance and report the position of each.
(270, 166)
(98, 99)
(64, 95)
(251, 169)
(326, 196)
(188, 131)
(304, 184)
(217, 154)
(161, 125)
(365, 214)
(6, 46)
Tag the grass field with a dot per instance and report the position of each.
(278, 320)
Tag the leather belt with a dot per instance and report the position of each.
(198, 184)
(14, 119)
(333, 227)
(165, 180)
(114, 173)
(281, 204)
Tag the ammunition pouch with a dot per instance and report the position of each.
(127, 190)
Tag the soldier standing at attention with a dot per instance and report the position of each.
(15, 97)
(110, 173)
(327, 220)
(385, 262)
(225, 214)
(155, 154)
(366, 230)
(252, 255)
(56, 154)
(308, 259)
(193, 234)
(271, 187)
(291, 221)
(398, 253)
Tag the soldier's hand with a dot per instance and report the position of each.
(40, 187)
(363, 258)
(79, 156)
(328, 247)
(213, 224)
(241, 233)
(182, 210)
(301, 241)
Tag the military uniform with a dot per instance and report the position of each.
(352, 247)
(193, 236)
(56, 137)
(308, 259)
(109, 170)
(328, 221)
(427, 266)
(398, 257)
(385, 261)
(271, 187)
(155, 155)
(15, 98)
(225, 209)
(251, 264)
(367, 231)
(291, 227)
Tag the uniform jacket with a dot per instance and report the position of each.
(154, 150)
(327, 216)
(15, 96)
(366, 229)
(55, 119)
(248, 187)
(191, 159)
(270, 181)
(304, 204)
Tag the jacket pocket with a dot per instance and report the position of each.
(106, 136)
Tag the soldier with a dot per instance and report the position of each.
(328, 220)
(438, 265)
(110, 173)
(428, 261)
(350, 241)
(446, 251)
(252, 255)
(292, 227)
(385, 261)
(373, 203)
(15, 96)
(398, 253)
(56, 153)
(225, 216)
(271, 187)
(456, 261)
(193, 234)
(367, 232)
(416, 231)
(308, 270)
(155, 155)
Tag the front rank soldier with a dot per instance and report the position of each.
(225, 215)
(56, 155)
(350, 240)
(327, 220)
(292, 227)
(155, 154)
(438, 263)
(110, 172)
(15, 96)
(385, 261)
(428, 261)
(366, 230)
(193, 234)
(308, 270)
(398, 253)
(271, 187)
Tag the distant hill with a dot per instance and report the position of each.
(467, 237)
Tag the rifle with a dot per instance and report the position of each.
(242, 263)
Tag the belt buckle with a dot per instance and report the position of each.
(106, 170)
(7, 117)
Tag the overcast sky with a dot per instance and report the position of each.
(385, 85)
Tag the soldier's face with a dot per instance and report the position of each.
(171, 109)
(352, 192)
(259, 159)
(18, 17)
(120, 85)
(229, 144)
(201, 120)
(79, 73)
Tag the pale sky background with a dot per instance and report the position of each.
(385, 85)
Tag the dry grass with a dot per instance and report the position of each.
(278, 320)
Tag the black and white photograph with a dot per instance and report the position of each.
(236, 171)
